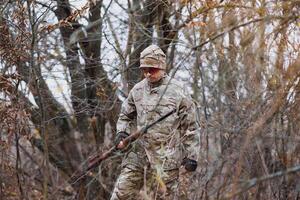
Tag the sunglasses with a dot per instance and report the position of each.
(150, 70)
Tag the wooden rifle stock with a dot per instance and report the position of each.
(95, 161)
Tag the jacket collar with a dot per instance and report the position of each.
(162, 81)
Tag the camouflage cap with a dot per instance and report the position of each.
(154, 57)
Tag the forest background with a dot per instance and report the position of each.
(66, 66)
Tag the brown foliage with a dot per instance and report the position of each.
(240, 58)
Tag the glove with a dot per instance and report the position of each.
(189, 164)
(120, 136)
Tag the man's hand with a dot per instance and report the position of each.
(189, 164)
(119, 139)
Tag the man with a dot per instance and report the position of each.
(154, 163)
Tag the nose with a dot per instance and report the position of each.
(148, 74)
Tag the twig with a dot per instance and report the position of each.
(239, 26)
(254, 181)
(18, 160)
(3, 8)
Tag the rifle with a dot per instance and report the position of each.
(95, 161)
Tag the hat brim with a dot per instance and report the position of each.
(150, 66)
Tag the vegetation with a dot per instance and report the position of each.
(67, 65)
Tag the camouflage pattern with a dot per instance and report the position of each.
(153, 57)
(136, 182)
(161, 150)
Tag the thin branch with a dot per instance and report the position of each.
(267, 18)
(254, 181)
(3, 8)
(18, 164)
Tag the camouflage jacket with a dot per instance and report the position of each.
(169, 141)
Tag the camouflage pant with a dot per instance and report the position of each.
(137, 183)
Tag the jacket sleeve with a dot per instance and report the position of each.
(188, 128)
(127, 115)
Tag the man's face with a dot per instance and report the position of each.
(153, 74)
